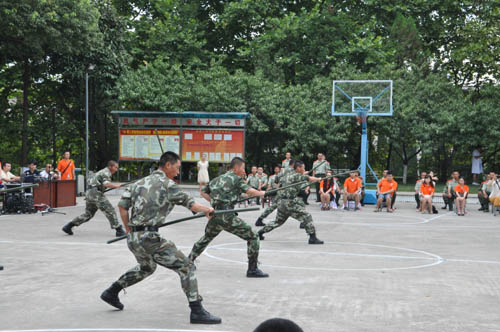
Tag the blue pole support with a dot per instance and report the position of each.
(364, 148)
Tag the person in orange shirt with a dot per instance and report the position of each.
(426, 194)
(352, 190)
(386, 188)
(327, 191)
(66, 167)
(461, 191)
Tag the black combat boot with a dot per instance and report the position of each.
(110, 295)
(67, 228)
(259, 222)
(314, 240)
(200, 316)
(253, 271)
(120, 231)
(261, 235)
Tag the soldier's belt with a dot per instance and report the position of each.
(144, 228)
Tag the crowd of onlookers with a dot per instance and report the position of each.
(65, 170)
(330, 191)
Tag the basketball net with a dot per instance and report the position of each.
(361, 116)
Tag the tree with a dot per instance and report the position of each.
(32, 32)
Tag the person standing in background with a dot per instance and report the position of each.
(320, 166)
(477, 165)
(286, 162)
(202, 165)
(66, 167)
(254, 181)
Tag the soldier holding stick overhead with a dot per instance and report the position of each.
(151, 199)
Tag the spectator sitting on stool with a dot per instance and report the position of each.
(461, 191)
(495, 192)
(484, 193)
(352, 189)
(449, 190)
(426, 194)
(417, 188)
(6, 176)
(386, 188)
(362, 195)
(31, 175)
(327, 191)
(47, 174)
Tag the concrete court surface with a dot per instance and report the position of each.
(376, 272)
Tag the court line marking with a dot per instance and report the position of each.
(422, 221)
(471, 261)
(111, 329)
(438, 259)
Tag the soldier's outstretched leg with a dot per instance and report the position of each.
(110, 213)
(266, 213)
(90, 210)
(144, 269)
(241, 229)
(166, 254)
(299, 212)
(281, 217)
(212, 229)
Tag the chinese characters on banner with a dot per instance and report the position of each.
(185, 122)
(219, 145)
(142, 144)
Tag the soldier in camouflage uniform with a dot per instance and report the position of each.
(484, 193)
(320, 166)
(272, 183)
(96, 200)
(253, 181)
(222, 192)
(449, 190)
(151, 199)
(290, 205)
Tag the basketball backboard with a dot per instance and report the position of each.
(355, 98)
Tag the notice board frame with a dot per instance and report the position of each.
(234, 121)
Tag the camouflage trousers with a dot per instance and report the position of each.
(232, 224)
(150, 249)
(291, 208)
(92, 204)
(268, 210)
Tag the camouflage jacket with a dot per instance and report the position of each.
(263, 178)
(100, 179)
(450, 184)
(225, 189)
(253, 181)
(152, 199)
(291, 178)
(284, 171)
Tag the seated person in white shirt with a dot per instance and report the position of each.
(6, 176)
(47, 174)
